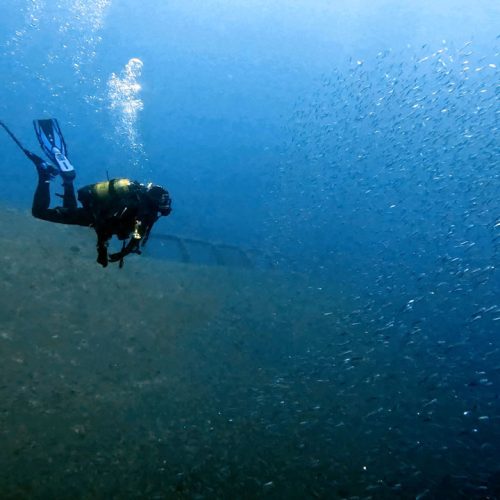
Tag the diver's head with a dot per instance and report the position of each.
(159, 198)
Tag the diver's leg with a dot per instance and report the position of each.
(69, 197)
(41, 199)
(69, 213)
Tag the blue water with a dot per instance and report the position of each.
(356, 146)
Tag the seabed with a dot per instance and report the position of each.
(168, 380)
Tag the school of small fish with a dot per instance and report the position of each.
(393, 188)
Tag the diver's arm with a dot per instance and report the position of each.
(102, 250)
(131, 247)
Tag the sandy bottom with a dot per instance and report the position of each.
(164, 380)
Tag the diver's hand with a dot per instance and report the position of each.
(132, 247)
(102, 261)
(115, 257)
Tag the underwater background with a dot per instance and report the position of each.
(347, 154)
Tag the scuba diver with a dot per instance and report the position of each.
(117, 207)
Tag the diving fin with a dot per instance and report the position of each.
(52, 142)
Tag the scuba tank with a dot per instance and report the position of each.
(106, 194)
(114, 204)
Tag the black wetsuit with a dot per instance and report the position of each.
(69, 213)
(136, 219)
